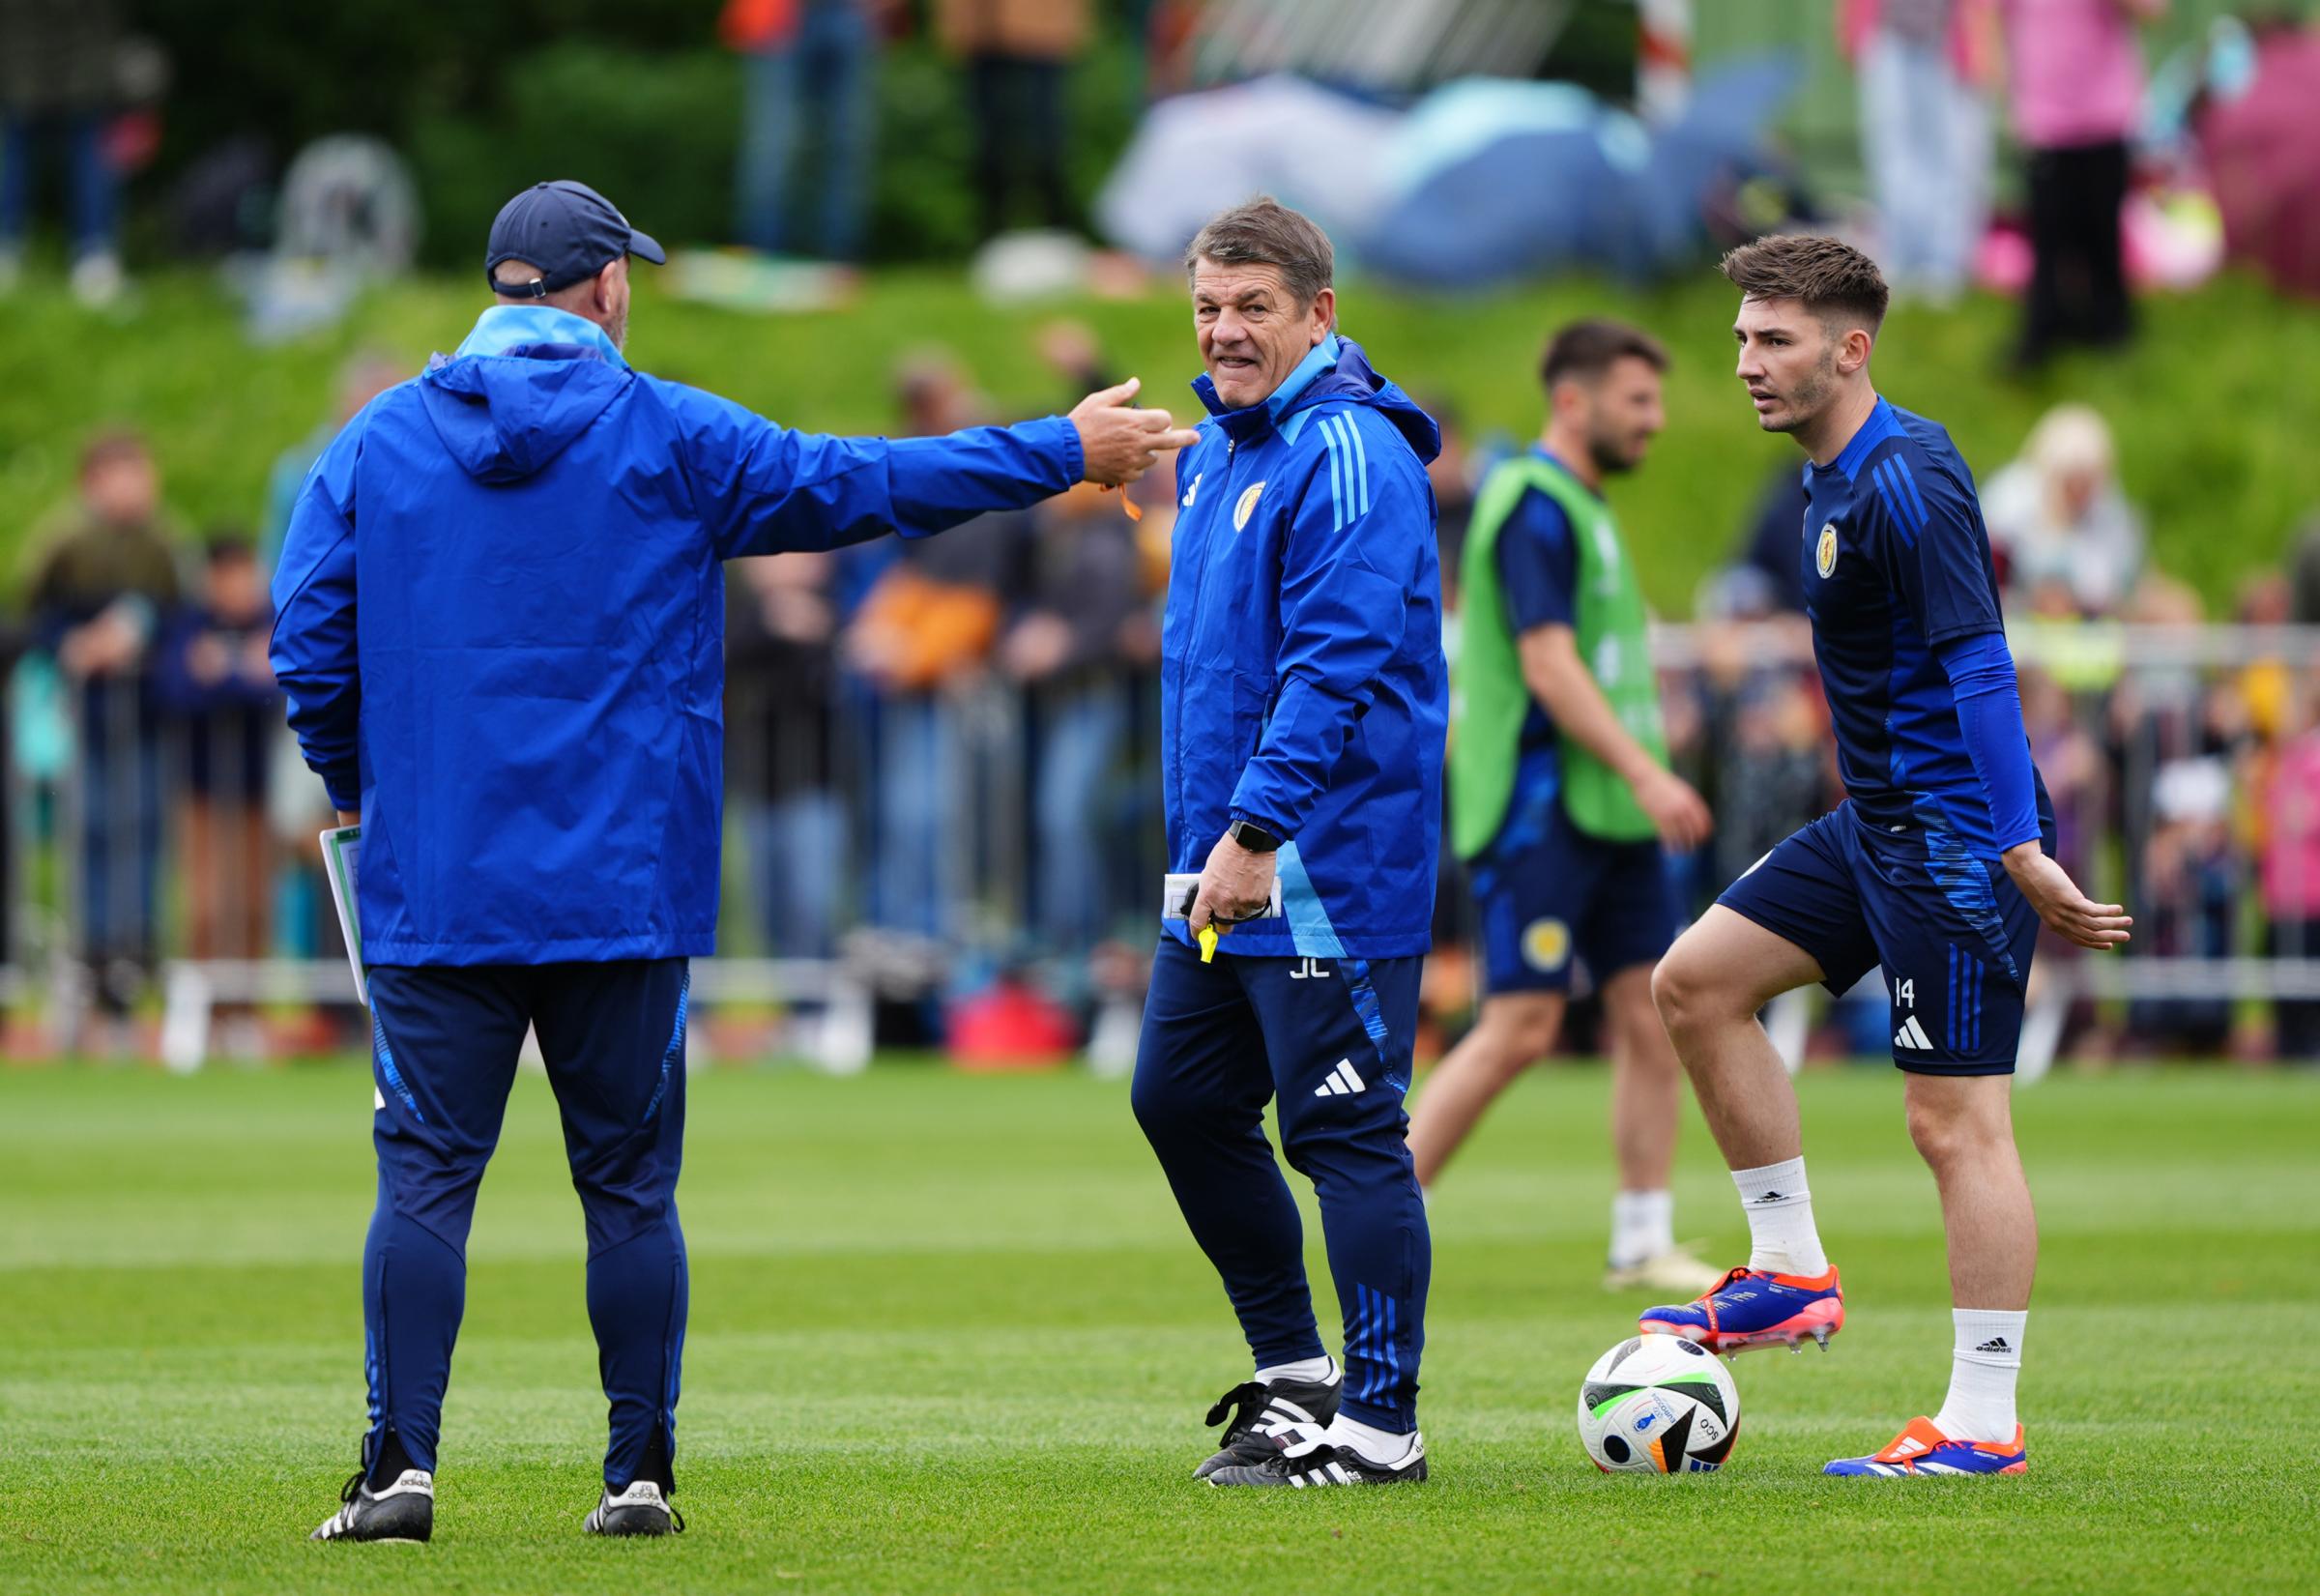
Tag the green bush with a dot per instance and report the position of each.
(2215, 421)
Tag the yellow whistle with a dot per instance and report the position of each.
(1208, 943)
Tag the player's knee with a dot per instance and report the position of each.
(1951, 1130)
(1515, 1038)
(1165, 1110)
(1680, 986)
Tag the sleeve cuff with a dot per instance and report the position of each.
(1240, 812)
(346, 800)
(1075, 459)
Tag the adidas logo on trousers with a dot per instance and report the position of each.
(1342, 1082)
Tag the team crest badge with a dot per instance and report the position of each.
(1824, 557)
(1247, 507)
(1546, 945)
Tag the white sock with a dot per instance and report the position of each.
(1305, 1370)
(1780, 1219)
(1982, 1370)
(1643, 1227)
(1375, 1446)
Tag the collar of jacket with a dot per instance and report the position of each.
(506, 328)
(1259, 417)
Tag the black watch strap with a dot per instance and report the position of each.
(1253, 836)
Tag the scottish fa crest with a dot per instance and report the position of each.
(1824, 557)
(1545, 944)
(1247, 507)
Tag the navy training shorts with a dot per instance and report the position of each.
(1951, 930)
(1547, 894)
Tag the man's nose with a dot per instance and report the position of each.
(1230, 327)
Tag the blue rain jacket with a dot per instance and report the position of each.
(500, 629)
(1302, 682)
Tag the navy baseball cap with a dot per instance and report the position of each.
(568, 231)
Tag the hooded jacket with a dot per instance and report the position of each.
(1302, 682)
(526, 704)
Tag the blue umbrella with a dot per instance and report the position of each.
(1497, 179)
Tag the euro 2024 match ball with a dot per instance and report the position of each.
(1658, 1404)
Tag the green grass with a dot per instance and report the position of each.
(948, 1335)
(2214, 428)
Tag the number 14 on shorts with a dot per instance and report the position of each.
(1911, 1036)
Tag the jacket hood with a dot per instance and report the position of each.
(504, 416)
(1351, 379)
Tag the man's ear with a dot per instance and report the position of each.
(1853, 352)
(1324, 314)
(607, 290)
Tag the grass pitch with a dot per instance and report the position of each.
(949, 1335)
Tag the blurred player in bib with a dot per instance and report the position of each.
(1562, 805)
(1938, 868)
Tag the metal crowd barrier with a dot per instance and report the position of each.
(878, 845)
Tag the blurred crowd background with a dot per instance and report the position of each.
(943, 825)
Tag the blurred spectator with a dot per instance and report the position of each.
(365, 375)
(1925, 135)
(106, 577)
(1776, 543)
(2291, 868)
(1451, 475)
(214, 676)
(922, 634)
(809, 64)
(2075, 80)
(780, 681)
(1015, 52)
(57, 61)
(2193, 880)
(2304, 599)
(1767, 729)
(1084, 595)
(2058, 515)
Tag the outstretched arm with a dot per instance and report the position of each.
(766, 489)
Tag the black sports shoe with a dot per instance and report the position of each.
(640, 1510)
(1301, 1457)
(403, 1510)
(1261, 1411)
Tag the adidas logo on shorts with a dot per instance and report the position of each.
(1912, 1037)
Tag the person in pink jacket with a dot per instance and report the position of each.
(2075, 91)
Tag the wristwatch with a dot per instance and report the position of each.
(1254, 837)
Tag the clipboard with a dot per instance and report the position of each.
(341, 852)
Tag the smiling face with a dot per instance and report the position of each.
(1253, 332)
(1792, 363)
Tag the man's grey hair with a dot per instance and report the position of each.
(1264, 232)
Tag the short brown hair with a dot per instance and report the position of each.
(1264, 232)
(111, 447)
(1828, 278)
(1588, 349)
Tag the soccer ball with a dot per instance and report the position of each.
(1658, 1404)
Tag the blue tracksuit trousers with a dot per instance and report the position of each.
(444, 1041)
(1328, 1040)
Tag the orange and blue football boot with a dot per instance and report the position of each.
(1755, 1308)
(1920, 1450)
